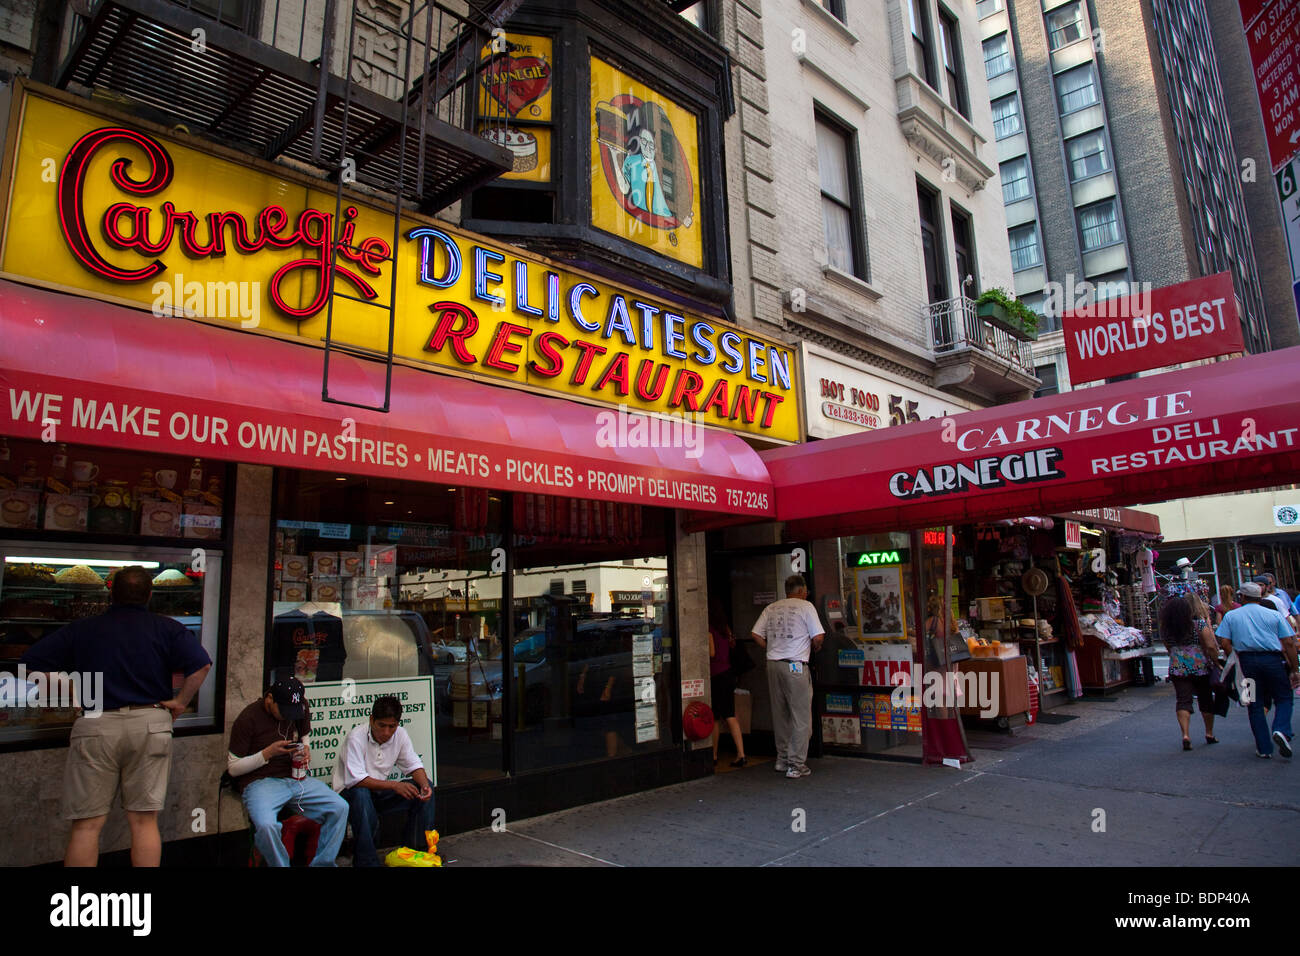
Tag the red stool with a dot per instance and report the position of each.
(300, 836)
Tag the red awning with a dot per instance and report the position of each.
(108, 375)
(1215, 428)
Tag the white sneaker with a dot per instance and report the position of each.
(1283, 745)
(794, 773)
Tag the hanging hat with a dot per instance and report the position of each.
(1183, 563)
(697, 721)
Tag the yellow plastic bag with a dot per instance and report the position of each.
(405, 856)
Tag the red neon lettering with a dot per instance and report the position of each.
(501, 343)
(126, 226)
(550, 353)
(444, 330)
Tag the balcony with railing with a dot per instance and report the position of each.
(397, 106)
(970, 350)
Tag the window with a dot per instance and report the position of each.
(936, 272)
(997, 58)
(1064, 26)
(921, 40)
(1048, 376)
(1087, 155)
(1015, 180)
(1076, 89)
(837, 171)
(963, 248)
(698, 14)
(1099, 225)
(956, 76)
(835, 8)
(1006, 116)
(1024, 247)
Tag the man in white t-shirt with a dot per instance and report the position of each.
(369, 753)
(790, 630)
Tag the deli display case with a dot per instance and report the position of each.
(46, 586)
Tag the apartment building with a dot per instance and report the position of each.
(863, 210)
(1117, 161)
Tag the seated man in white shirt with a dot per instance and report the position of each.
(370, 752)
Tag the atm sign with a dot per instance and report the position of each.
(865, 559)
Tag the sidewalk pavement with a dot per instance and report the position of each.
(1110, 788)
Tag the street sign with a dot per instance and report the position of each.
(1288, 194)
(1273, 35)
(1179, 323)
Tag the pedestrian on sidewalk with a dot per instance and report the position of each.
(1227, 602)
(1266, 647)
(789, 630)
(1185, 629)
(722, 682)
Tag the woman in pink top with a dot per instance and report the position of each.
(723, 683)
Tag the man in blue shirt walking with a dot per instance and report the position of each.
(1266, 647)
(128, 744)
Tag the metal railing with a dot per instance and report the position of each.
(953, 325)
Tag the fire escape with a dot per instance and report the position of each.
(379, 93)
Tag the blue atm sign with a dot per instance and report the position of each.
(878, 559)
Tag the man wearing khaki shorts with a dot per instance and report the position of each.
(128, 744)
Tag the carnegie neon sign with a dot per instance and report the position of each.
(130, 226)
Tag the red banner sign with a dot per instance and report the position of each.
(1152, 329)
(1273, 35)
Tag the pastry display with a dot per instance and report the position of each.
(171, 578)
(29, 574)
(521, 144)
(79, 575)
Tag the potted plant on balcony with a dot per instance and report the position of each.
(1008, 313)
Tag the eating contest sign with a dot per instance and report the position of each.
(141, 218)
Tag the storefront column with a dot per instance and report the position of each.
(246, 647)
(690, 588)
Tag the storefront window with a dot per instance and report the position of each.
(70, 516)
(595, 648)
(868, 649)
(394, 587)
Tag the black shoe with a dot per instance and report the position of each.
(1187, 744)
(740, 762)
(1283, 745)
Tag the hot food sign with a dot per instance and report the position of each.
(150, 221)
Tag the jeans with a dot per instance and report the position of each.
(312, 798)
(365, 807)
(1272, 689)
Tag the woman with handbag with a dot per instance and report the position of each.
(1185, 629)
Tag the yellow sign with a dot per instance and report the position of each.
(515, 77)
(645, 167)
(139, 218)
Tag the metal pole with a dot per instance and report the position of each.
(326, 54)
(1214, 563)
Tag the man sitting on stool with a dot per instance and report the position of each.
(369, 752)
(263, 740)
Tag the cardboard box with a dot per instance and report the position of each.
(326, 588)
(744, 709)
(160, 518)
(293, 591)
(19, 507)
(325, 562)
(992, 609)
(351, 563)
(66, 512)
(201, 520)
(295, 567)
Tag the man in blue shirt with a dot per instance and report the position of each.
(1266, 647)
(128, 744)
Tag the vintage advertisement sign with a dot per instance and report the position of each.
(338, 706)
(1179, 323)
(645, 166)
(515, 77)
(1273, 36)
(842, 397)
(140, 218)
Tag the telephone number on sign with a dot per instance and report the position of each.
(844, 413)
(746, 499)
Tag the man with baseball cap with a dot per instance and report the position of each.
(263, 741)
(1266, 647)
